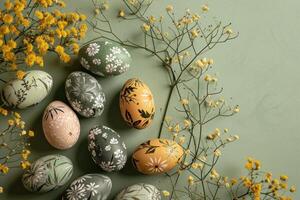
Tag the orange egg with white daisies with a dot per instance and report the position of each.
(137, 104)
(157, 156)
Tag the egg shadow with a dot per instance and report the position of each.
(84, 161)
(15, 188)
(114, 118)
(129, 168)
(39, 142)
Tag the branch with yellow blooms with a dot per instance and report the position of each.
(14, 143)
(180, 43)
(30, 29)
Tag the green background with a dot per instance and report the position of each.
(260, 70)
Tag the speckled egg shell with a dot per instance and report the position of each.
(105, 58)
(61, 125)
(157, 156)
(89, 186)
(140, 191)
(29, 91)
(48, 173)
(137, 104)
(85, 94)
(107, 148)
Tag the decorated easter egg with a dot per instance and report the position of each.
(29, 91)
(137, 104)
(85, 94)
(48, 173)
(140, 191)
(61, 125)
(105, 58)
(89, 186)
(157, 156)
(107, 148)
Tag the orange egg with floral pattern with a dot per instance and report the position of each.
(137, 104)
(157, 156)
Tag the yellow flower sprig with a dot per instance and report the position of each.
(27, 35)
(14, 143)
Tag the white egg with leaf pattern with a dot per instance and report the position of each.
(29, 91)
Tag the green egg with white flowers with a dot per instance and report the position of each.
(105, 58)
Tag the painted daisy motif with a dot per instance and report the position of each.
(114, 141)
(97, 61)
(121, 162)
(76, 191)
(118, 153)
(99, 101)
(104, 135)
(110, 58)
(93, 49)
(107, 148)
(107, 166)
(110, 68)
(89, 186)
(123, 68)
(92, 187)
(156, 165)
(115, 50)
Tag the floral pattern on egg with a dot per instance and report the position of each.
(89, 186)
(140, 191)
(157, 156)
(137, 104)
(85, 94)
(105, 58)
(29, 91)
(107, 148)
(48, 173)
(61, 125)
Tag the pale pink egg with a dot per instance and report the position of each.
(61, 125)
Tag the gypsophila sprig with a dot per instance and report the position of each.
(180, 43)
(14, 142)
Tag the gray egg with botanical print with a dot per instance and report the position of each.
(107, 148)
(140, 191)
(85, 94)
(105, 58)
(89, 186)
(48, 173)
(29, 91)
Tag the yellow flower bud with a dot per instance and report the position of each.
(169, 8)
(121, 13)
(205, 8)
(165, 193)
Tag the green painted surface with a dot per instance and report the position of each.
(259, 70)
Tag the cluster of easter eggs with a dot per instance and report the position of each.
(61, 127)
